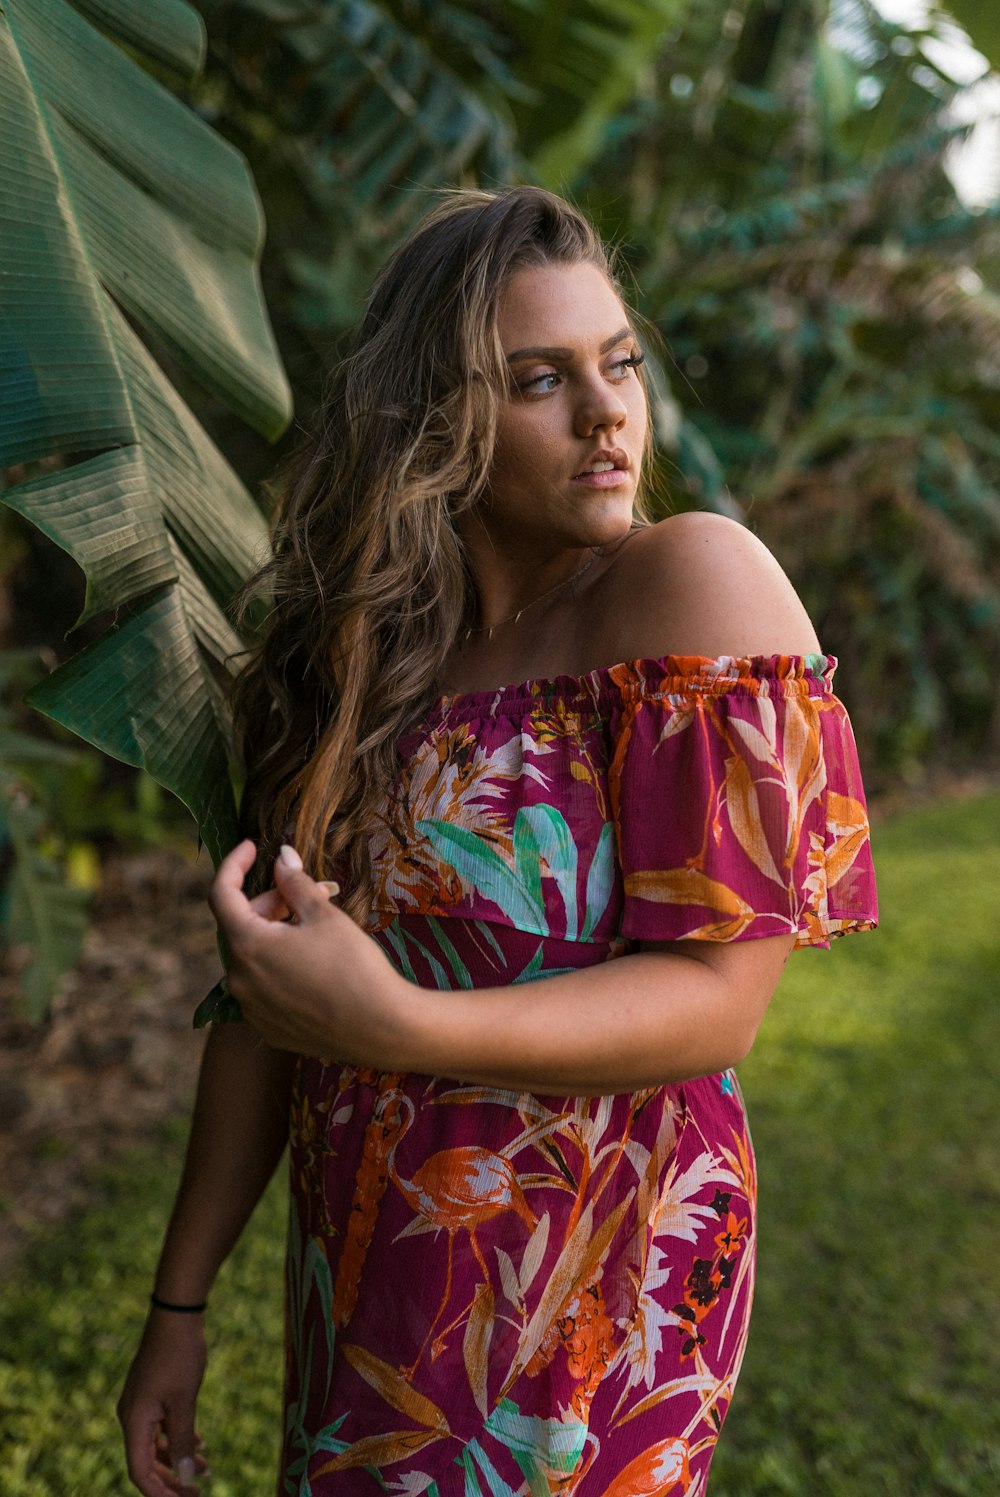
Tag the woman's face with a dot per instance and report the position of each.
(574, 401)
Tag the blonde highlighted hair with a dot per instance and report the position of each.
(368, 585)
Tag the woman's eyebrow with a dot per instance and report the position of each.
(564, 354)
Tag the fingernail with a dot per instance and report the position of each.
(334, 888)
(185, 1470)
(290, 857)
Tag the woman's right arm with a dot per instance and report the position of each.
(238, 1134)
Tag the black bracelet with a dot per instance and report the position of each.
(165, 1304)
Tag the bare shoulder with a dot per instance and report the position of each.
(701, 584)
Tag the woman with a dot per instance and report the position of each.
(522, 1241)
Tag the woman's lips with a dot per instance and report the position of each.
(610, 479)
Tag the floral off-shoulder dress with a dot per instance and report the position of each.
(496, 1292)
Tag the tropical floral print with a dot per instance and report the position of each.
(492, 1292)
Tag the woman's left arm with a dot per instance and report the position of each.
(323, 987)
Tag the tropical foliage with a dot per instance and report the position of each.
(826, 300)
(122, 213)
(42, 896)
(774, 172)
(776, 176)
(129, 233)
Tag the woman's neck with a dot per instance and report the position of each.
(561, 635)
(509, 586)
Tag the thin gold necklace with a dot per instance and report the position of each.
(512, 618)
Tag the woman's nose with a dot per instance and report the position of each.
(599, 407)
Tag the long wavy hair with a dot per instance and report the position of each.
(368, 584)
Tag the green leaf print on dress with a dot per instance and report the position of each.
(308, 1270)
(543, 846)
(544, 1449)
(479, 867)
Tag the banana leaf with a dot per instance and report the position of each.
(130, 236)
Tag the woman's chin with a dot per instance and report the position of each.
(611, 527)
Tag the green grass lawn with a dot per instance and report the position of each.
(874, 1362)
(874, 1098)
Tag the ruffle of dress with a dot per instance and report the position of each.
(649, 677)
(751, 823)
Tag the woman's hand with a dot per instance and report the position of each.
(315, 983)
(157, 1406)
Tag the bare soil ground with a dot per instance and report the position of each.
(117, 1055)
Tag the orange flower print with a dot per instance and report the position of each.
(585, 1331)
(730, 1239)
(701, 1287)
(589, 1340)
(710, 1277)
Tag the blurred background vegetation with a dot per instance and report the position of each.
(779, 178)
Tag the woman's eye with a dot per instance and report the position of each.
(622, 366)
(541, 382)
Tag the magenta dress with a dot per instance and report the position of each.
(496, 1292)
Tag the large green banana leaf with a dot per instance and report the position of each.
(128, 226)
